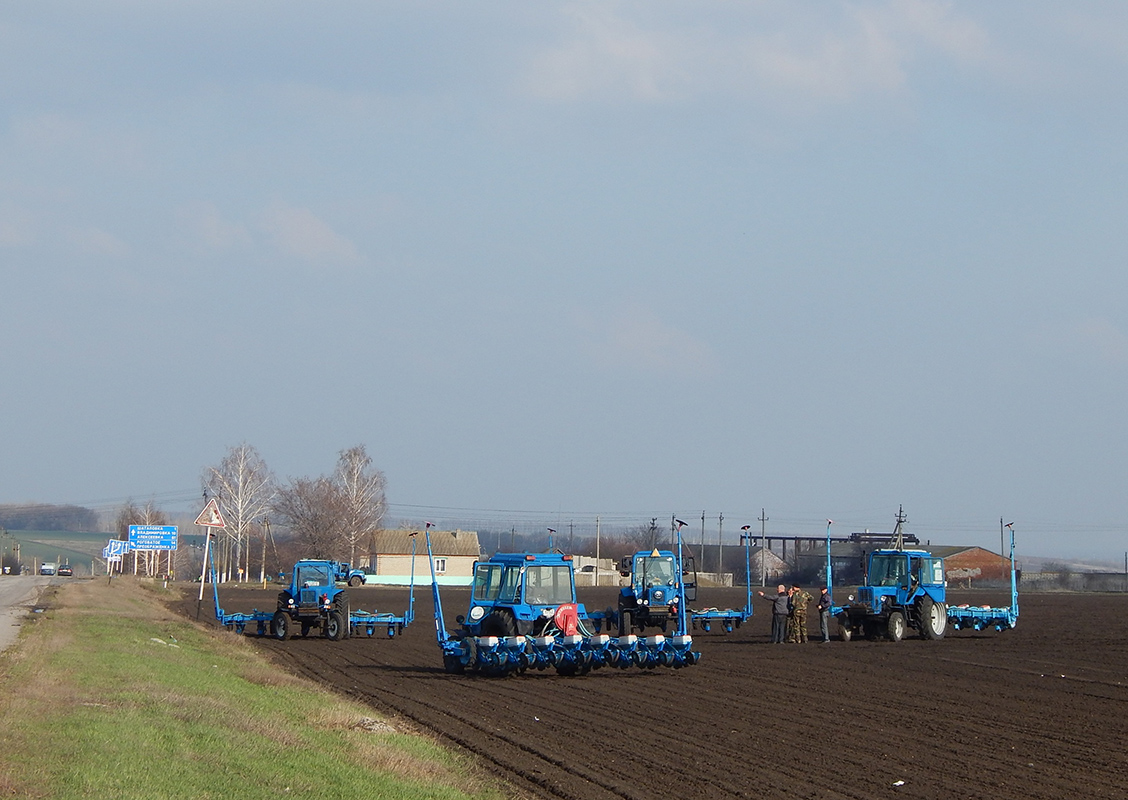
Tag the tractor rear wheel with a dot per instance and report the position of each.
(335, 627)
(895, 627)
(933, 618)
(280, 626)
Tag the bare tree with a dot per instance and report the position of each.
(312, 509)
(362, 496)
(244, 487)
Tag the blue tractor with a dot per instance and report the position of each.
(517, 594)
(656, 589)
(313, 600)
(902, 589)
(524, 615)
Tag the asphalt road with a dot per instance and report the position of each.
(18, 594)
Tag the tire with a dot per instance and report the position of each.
(933, 618)
(452, 665)
(895, 626)
(498, 623)
(845, 632)
(626, 623)
(335, 627)
(280, 626)
(356, 581)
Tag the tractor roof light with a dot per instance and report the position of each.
(530, 557)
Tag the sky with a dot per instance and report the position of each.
(563, 260)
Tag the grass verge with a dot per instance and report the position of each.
(107, 694)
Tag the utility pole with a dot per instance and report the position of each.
(571, 532)
(597, 551)
(702, 540)
(720, 547)
(763, 551)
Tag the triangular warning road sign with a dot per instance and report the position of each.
(210, 516)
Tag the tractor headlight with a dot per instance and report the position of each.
(477, 612)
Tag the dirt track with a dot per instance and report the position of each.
(1037, 712)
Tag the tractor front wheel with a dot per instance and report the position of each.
(895, 627)
(280, 626)
(335, 627)
(626, 623)
(845, 632)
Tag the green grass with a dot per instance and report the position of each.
(107, 695)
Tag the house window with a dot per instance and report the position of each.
(440, 565)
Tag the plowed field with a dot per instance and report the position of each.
(1037, 712)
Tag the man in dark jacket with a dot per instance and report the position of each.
(824, 614)
(779, 613)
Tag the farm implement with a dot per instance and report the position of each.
(906, 589)
(313, 600)
(523, 615)
(729, 618)
(981, 617)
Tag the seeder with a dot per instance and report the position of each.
(524, 615)
(730, 618)
(981, 617)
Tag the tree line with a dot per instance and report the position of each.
(329, 516)
(47, 517)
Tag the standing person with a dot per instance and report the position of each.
(824, 614)
(799, 601)
(779, 612)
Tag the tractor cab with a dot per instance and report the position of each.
(519, 593)
(900, 577)
(312, 579)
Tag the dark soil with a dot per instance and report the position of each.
(1037, 712)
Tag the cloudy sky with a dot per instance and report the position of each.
(569, 259)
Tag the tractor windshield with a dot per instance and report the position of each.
(548, 585)
(310, 575)
(888, 570)
(655, 571)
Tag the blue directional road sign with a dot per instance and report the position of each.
(152, 537)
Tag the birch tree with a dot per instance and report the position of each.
(362, 497)
(312, 509)
(245, 488)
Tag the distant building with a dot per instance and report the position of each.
(390, 560)
(967, 566)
